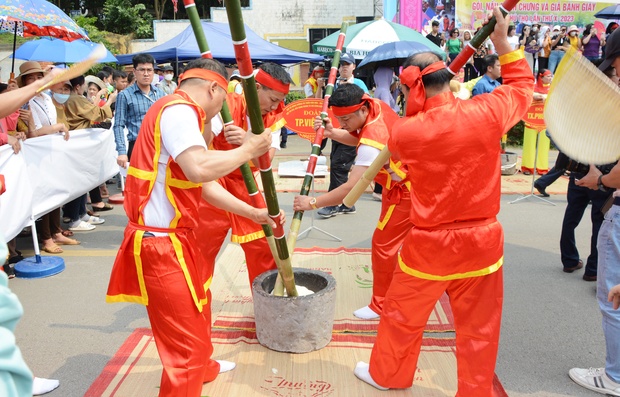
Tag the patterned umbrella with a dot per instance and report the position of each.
(38, 18)
(365, 37)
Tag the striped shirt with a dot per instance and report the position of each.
(131, 106)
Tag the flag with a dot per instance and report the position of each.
(175, 3)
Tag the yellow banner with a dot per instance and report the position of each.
(471, 13)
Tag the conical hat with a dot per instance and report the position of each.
(582, 113)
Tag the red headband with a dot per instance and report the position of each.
(344, 110)
(204, 74)
(265, 79)
(412, 78)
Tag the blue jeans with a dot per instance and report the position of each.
(608, 276)
(554, 59)
(578, 198)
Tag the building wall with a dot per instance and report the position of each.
(289, 21)
(163, 30)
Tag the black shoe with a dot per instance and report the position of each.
(541, 189)
(587, 277)
(283, 145)
(576, 267)
(9, 270)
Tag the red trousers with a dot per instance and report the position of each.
(394, 224)
(477, 306)
(182, 334)
(211, 232)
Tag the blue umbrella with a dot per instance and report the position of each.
(611, 12)
(395, 53)
(58, 51)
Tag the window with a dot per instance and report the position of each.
(319, 34)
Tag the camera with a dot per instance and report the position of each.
(564, 162)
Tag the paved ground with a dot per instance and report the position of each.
(551, 319)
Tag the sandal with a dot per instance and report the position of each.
(68, 241)
(106, 207)
(67, 233)
(53, 249)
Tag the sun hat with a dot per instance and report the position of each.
(96, 80)
(27, 68)
(572, 28)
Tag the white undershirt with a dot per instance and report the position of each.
(179, 131)
(366, 155)
(217, 125)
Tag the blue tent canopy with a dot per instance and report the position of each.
(184, 47)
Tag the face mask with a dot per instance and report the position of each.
(573, 34)
(168, 77)
(61, 98)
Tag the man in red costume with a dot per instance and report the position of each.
(272, 83)
(157, 263)
(366, 123)
(451, 150)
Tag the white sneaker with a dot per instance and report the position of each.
(82, 226)
(93, 220)
(595, 379)
(362, 372)
(226, 366)
(42, 385)
(366, 313)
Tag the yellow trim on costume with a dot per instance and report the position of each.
(140, 174)
(122, 298)
(177, 213)
(381, 224)
(137, 250)
(456, 276)
(510, 57)
(371, 143)
(396, 167)
(247, 237)
(278, 125)
(206, 286)
(181, 184)
(178, 250)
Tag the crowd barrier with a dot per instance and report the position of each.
(49, 172)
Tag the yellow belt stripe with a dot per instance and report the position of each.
(456, 276)
(386, 218)
(247, 237)
(178, 249)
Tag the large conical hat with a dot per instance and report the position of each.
(582, 111)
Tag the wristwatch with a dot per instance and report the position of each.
(313, 203)
(601, 187)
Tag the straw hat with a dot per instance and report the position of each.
(573, 28)
(96, 80)
(27, 68)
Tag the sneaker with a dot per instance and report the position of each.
(595, 379)
(93, 220)
(9, 270)
(343, 209)
(81, 226)
(328, 212)
(43, 386)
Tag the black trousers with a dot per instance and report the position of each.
(341, 160)
(578, 198)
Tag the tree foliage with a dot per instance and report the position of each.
(95, 35)
(122, 17)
